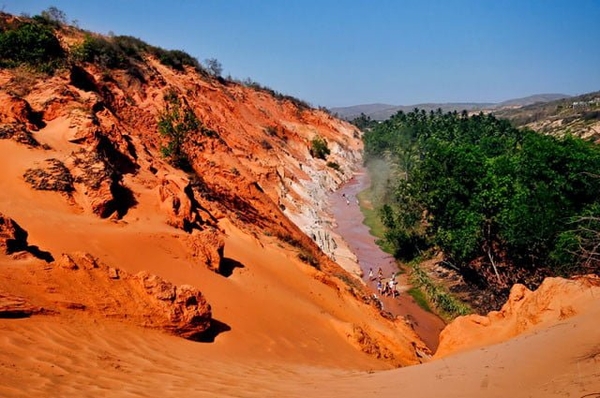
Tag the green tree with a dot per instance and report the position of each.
(363, 122)
(497, 200)
(175, 123)
(319, 148)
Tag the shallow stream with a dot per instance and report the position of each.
(349, 224)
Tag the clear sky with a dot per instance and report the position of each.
(340, 53)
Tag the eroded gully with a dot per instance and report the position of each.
(349, 224)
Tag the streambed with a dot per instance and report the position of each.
(349, 225)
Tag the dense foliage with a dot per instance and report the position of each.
(504, 205)
(33, 44)
(120, 52)
(364, 122)
(319, 148)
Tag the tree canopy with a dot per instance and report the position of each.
(501, 203)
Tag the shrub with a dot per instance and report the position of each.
(30, 44)
(99, 50)
(175, 59)
(131, 46)
(309, 259)
(289, 239)
(333, 165)
(449, 306)
(214, 67)
(119, 52)
(319, 148)
(175, 123)
(53, 16)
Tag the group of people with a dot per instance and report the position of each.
(385, 288)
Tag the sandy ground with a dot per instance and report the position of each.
(284, 329)
(52, 357)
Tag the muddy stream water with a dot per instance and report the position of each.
(349, 224)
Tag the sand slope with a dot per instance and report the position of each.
(46, 356)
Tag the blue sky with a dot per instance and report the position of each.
(341, 53)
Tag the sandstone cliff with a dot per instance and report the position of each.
(157, 172)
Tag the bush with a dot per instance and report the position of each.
(101, 51)
(319, 148)
(309, 259)
(214, 67)
(120, 52)
(289, 239)
(53, 16)
(175, 123)
(175, 59)
(333, 165)
(449, 306)
(131, 46)
(30, 44)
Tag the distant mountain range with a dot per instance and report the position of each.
(384, 111)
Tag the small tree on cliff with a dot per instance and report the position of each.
(214, 67)
(54, 16)
(175, 124)
(318, 148)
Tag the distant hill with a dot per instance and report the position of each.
(578, 115)
(532, 99)
(349, 112)
(384, 111)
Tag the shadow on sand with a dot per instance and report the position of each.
(210, 334)
(227, 265)
(39, 253)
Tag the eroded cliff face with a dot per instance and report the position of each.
(249, 157)
(86, 152)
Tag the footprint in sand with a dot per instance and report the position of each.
(485, 382)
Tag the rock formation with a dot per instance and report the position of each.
(82, 283)
(15, 307)
(556, 299)
(185, 310)
(13, 238)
